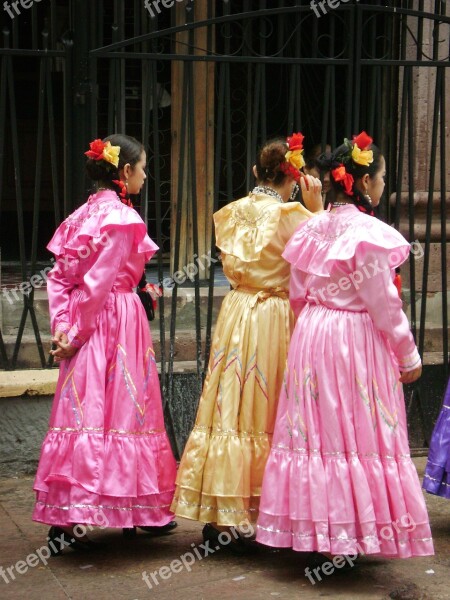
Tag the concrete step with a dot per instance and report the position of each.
(185, 339)
(12, 309)
(185, 348)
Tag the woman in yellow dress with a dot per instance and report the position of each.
(221, 471)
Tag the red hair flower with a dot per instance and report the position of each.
(96, 150)
(295, 141)
(340, 174)
(363, 140)
(104, 151)
(294, 156)
(289, 169)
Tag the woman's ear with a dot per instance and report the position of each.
(255, 173)
(364, 183)
(126, 171)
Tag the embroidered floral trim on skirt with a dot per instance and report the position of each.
(220, 475)
(339, 477)
(106, 455)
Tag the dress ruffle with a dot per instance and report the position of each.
(125, 478)
(66, 504)
(107, 464)
(102, 212)
(325, 241)
(245, 227)
(383, 517)
(204, 496)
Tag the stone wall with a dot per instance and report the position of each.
(25, 417)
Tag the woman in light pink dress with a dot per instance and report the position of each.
(106, 459)
(339, 479)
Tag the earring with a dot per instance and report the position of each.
(294, 191)
(368, 198)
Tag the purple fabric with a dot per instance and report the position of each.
(437, 472)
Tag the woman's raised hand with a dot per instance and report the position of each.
(311, 193)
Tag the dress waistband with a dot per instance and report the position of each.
(263, 294)
(120, 289)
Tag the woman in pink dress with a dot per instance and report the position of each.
(106, 459)
(339, 479)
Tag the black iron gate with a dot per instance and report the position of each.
(202, 87)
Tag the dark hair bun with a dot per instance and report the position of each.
(325, 161)
(99, 170)
(269, 159)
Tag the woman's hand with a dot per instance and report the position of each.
(411, 376)
(63, 349)
(312, 193)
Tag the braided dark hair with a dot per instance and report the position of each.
(332, 160)
(105, 173)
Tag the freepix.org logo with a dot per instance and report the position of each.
(325, 5)
(154, 6)
(13, 8)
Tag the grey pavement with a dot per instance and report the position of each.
(115, 573)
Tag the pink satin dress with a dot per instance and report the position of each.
(106, 450)
(339, 477)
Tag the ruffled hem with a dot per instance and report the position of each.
(226, 511)
(328, 238)
(378, 539)
(108, 464)
(90, 223)
(220, 476)
(66, 504)
(343, 505)
(245, 227)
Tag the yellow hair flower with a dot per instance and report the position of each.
(362, 157)
(295, 157)
(111, 154)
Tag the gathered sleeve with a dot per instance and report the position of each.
(379, 295)
(98, 282)
(59, 289)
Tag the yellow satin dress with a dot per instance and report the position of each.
(220, 475)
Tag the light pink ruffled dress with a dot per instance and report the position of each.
(339, 477)
(106, 451)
